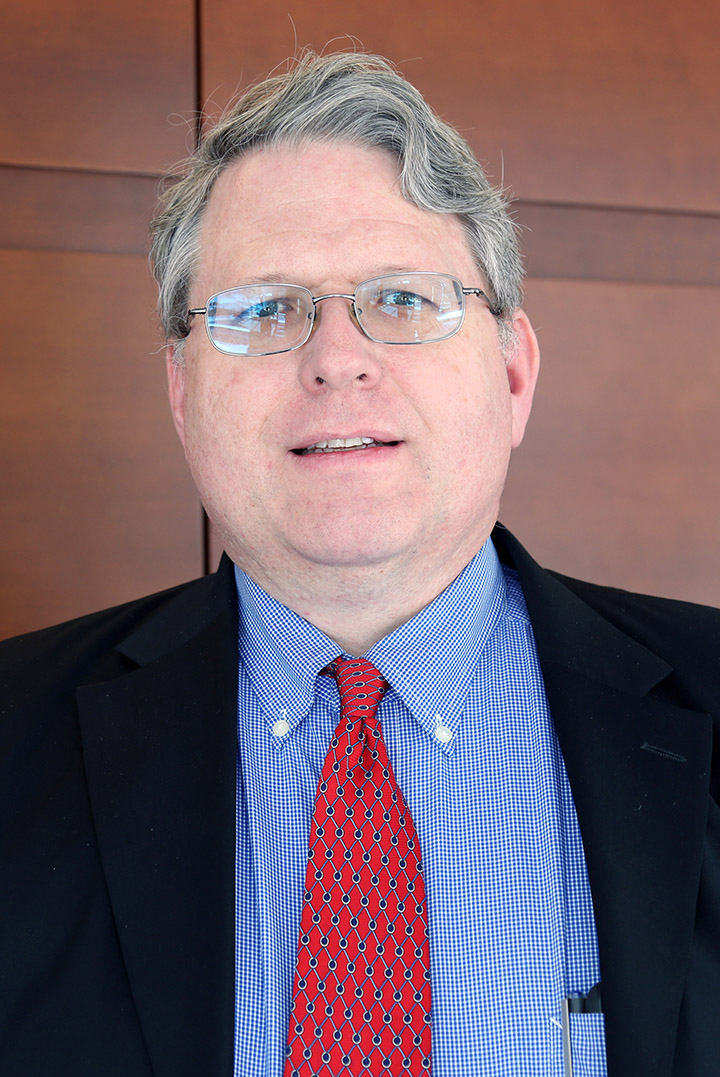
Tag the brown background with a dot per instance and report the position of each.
(601, 119)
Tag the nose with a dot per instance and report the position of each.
(338, 354)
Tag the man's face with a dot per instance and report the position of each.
(328, 217)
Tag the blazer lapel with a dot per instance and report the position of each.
(160, 751)
(639, 770)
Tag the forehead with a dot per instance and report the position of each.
(321, 212)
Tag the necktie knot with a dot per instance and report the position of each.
(358, 736)
(361, 686)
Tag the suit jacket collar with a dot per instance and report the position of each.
(639, 769)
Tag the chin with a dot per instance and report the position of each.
(345, 544)
(346, 555)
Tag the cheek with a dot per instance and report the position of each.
(470, 402)
(227, 420)
(203, 417)
(476, 432)
(210, 428)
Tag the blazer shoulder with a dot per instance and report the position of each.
(686, 635)
(95, 647)
(640, 616)
(650, 618)
(99, 630)
(600, 629)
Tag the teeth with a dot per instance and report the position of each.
(340, 443)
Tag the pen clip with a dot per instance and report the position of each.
(567, 1048)
(590, 1003)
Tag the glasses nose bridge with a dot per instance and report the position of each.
(351, 298)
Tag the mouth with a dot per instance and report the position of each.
(342, 445)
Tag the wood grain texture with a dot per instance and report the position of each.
(602, 243)
(618, 479)
(98, 505)
(94, 86)
(612, 104)
(50, 209)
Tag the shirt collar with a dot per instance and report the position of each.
(281, 652)
(429, 661)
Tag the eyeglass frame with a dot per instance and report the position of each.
(351, 297)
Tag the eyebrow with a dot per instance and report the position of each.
(267, 278)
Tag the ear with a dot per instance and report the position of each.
(523, 364)
(176, 390)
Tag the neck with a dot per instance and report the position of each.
(357, 606)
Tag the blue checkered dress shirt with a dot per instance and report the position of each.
(474, 751)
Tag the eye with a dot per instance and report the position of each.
(393, 298)
(268, 308)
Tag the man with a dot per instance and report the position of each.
(349, 370)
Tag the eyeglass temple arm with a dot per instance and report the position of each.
(191, 314)
(493, 307)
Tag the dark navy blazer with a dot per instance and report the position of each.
(117, 782)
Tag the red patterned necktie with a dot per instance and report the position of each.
(361, 1000)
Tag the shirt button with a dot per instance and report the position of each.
(443, 734)
(281, 728)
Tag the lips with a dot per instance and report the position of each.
(330, 445)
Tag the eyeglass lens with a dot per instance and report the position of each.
(259, 319)
(263, 319)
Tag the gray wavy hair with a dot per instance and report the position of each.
(345, 97)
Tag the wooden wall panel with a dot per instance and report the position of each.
(602, 243)
(64, 210)
(92, 85)
(618, 479)
(610, 103)
(97, 504)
